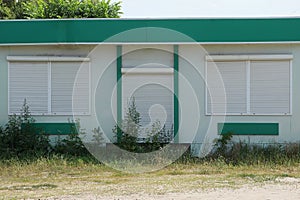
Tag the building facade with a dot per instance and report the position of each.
(198, 77)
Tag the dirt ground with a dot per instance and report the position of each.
(282, 189)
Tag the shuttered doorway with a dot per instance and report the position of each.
(147, 79)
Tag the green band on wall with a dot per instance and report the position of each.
(249, 128)
(176, 91)
(119, 91)
(53, 128)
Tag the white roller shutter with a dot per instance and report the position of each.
(229, 77)
(148, 58)
(152, 92)
(270, 87)
(63, 76)
(28, 80)
(51, 85)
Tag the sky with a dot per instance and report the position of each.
(208, 8)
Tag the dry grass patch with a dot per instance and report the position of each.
(56, 177)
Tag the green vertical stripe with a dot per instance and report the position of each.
(119, 91)
(176, 104)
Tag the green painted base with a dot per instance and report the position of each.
(249, 128)
(55, 128)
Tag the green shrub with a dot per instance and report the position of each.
(72, 144)
(221, 145)
(19, 138)
(127, 133)
(243, 153)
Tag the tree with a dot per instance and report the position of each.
(59, 9)
(127, 132)
(5, 10)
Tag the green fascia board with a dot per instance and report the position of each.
(149, 30)
(249, 128)
(54, 128)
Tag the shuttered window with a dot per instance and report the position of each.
(28, 80)
(233, 85)
(63, 75)
(270, 87)
(249, 85)
(55, 86)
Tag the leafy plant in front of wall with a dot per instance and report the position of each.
(72, 144)
(158, 136)
(221, 145)
(18, 137)
(128, 132)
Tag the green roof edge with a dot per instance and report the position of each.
(91, 31)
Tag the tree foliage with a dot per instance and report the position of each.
(59, 9)
(6, 11)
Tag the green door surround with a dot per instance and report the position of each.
(176, 93)
(119, 91)
(175, 96)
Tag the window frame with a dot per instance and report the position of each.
(248, 59)
(48, 60)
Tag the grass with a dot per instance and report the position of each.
(57, 176)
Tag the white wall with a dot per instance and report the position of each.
(193, 59)
(191, 87)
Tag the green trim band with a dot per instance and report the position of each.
(149, 30)
(176, 93)
(119, 91)
(53, 128)
(249, 128)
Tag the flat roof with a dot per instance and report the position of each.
(187, 30)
